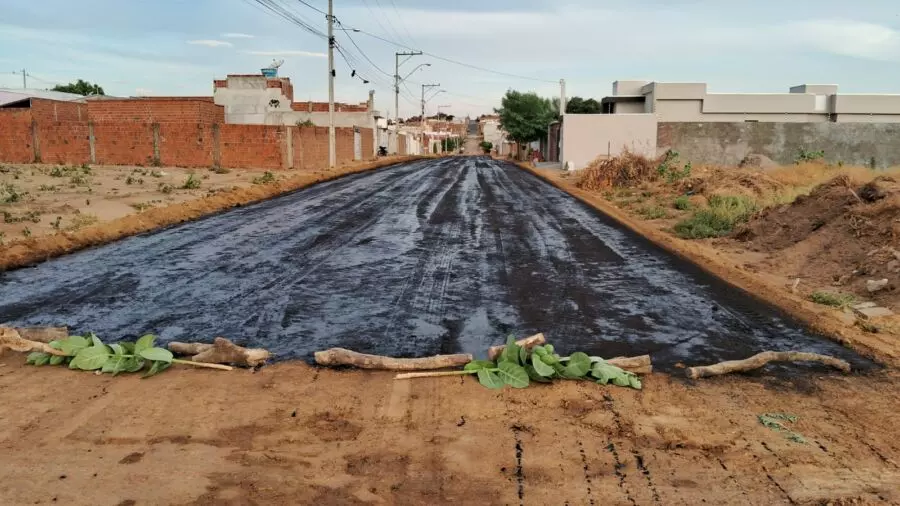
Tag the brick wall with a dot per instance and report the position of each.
(310, 147)
(344, 145)
(56, 110)
(157, 110)
(251, 146)
(187, 144)
(15, 136)
(323, 107)
(123, 143)
(368, 143)
(64, 142)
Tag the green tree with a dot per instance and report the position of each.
(486, 146)
(525, 116)
(578, 105)
(80, 87)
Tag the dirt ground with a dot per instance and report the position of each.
(39, 199)
(291, 434)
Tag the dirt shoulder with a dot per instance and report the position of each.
(51, 210)
(737, 265)
(292, 434)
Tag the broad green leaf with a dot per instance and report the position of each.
(42, 359)
(511, 352)
(549, 348)
(117, 349)
(543, 369)
(578, 366)
(523, 355)
(96, 340)
(634, 382)
(57, 359)
(489, 379)
(73, 345)
(144, 343)
(153, 370)
(538, 350)
(91, 359)
(55, 344)
(32, 357)
(133, 364)
(128, 347)
(604, 372)
(157, 354)
(621, 381)
(513, 375)
(550, 359)
(534, 375)
(476, 365)
(110, 365)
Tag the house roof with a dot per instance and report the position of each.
(10, 95)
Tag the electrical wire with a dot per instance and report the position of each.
(388, 19)
(286, 14)
(402, 24)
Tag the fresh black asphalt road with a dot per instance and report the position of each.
(428, 257)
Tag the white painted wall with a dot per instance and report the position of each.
(588, 136)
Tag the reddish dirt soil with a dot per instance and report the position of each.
(290, 434)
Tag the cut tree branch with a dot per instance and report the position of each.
(10, 338)
(341, 356)
(527, 343)
(222, 351)
(761, 359)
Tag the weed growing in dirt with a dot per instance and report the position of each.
(140, 206)
(809, 156)
(156, 173)
(165, 188)
(518, 367)
(654, 212)
(9, 194)
(26, 232)
(88, 353)
(58, 172)
(79, 180)
(2, 236)
(717, 220)
(191, 183)
(56, 222)
(668, 168)
(85, 168)
(832, 299)
(682, 203)
(32, 216)
(221, 170)
(82, 220)
(775, 421)
(47, 188)
(266, 178)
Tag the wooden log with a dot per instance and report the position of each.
(636, 365)
(528, 343)
(10, 338)
(43, 334)
(341, 356)
(222, 351)
(761, 359)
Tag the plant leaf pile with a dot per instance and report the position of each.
(518, 367)
(88, 353)
(774, 421)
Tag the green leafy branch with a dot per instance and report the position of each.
(89, 353)
(518, 367)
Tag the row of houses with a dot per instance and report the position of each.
(722, 128)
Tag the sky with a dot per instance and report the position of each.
(177, 47)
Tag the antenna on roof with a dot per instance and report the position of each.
(272, 69)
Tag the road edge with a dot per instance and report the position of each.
(43, 248)
(706, 258)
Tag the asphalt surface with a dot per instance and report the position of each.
(429, 257)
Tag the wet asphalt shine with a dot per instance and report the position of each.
(428, 257)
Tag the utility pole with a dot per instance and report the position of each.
(332, 151)
(397, 80)
(562, 97)
(24, 82)
(424, 87)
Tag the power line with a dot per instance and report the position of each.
(313, 7)
(402, 24)
(450, 60)
(284, 13)
(388, 19)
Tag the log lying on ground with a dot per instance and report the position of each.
(636, 365)
(222, 351)
(527, 343)
(341, 356)
(10, 338)
(761, 359)
(43, 334)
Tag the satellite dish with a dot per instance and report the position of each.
(275, 64)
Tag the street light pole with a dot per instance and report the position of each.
(397, 80)
(332, 150)
(424, 87)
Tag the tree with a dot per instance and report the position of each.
(578, 105)
(486, 146)
(80, 87)
(525, 116)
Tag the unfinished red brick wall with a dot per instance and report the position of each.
(15, 136)
(251, 146)
(123, 143)
(56, 110)
(157, 110)
(187, 144)
(310, 147)
(323, 107)
(64, 142)
(343, 145)
(368, 143)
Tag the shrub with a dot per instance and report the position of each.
(809, 156)
(654, 212)
(220, 170)
(191, 183)
(717, 220)
(165, 188)
(486, 147)
(10, 194)
(831, 299)
(682, 203)
(266, 178)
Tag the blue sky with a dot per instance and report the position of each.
(177, 47)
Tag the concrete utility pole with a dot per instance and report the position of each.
(24, 82)
(397, 80)
(562, 97)
(332, 150)
(424, 87)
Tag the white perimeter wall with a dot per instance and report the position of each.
(587, 136)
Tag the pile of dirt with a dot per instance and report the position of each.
(714, 180)
(842, 233)
(757, 161)
(627, 169)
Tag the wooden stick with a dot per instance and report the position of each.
(761, 359)
(43, 334)
(10, 338)
(528, 343)
(203, 364)
(222, 351)
(341, 356)
(436, 374)
(636, 365)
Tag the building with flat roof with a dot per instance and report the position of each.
(806, 103)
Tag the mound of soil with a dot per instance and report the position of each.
(627, 169)
(723, 181)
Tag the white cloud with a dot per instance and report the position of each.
(210, 43)
(237, 35)
(287, 52)
(846, 37)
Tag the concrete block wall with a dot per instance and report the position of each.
(866, 144)
(64, 142)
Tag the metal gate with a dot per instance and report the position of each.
(357, 144)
